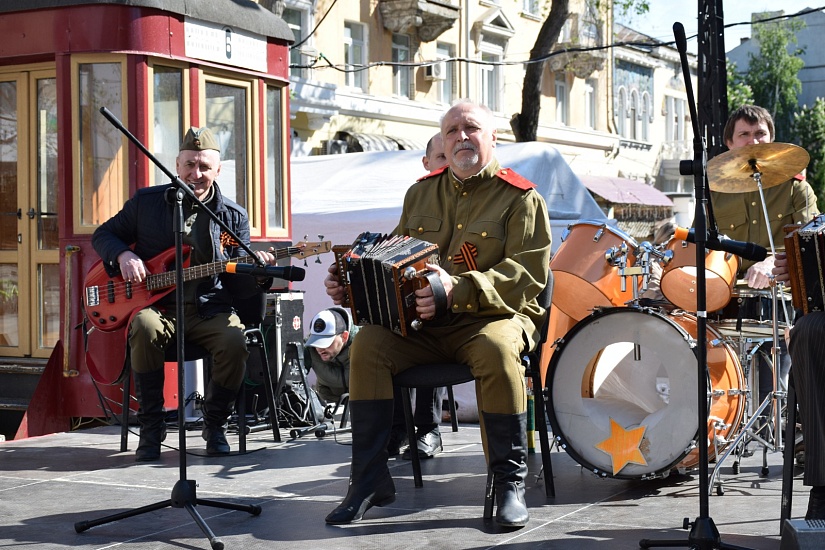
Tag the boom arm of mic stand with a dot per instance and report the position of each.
(176, 181)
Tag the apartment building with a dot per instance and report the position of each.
(378, 74)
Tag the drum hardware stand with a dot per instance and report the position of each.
(184, 492)
(776, 398)
(703, 532)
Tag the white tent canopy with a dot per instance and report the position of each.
(337, 197)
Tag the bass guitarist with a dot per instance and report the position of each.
(142, 230)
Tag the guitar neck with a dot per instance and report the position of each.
(166, 279)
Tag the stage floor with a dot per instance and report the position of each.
(49, 483)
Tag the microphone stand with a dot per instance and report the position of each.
(703, 532)
(183, 493)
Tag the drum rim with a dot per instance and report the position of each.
(618, 231)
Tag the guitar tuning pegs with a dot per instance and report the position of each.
(305, 262)
(320, 237)
(318, 259)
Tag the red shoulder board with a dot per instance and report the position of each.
(799, 177)
(510, 176)
(433, 173)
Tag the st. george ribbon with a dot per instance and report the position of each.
(288, 273)
(746, 250)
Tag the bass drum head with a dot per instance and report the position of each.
(623, 390)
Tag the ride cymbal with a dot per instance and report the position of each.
(732, 171)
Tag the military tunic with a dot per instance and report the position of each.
(493, 236)
(740, 216)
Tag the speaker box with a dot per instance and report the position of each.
(284, 321)
(803, 534)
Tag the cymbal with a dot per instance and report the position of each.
(732, 171)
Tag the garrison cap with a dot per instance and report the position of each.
(199, 139)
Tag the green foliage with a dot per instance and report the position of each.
(772, 74)
(739, 92)
(629, 7)
(809, 130)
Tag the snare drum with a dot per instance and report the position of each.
(583, 277)
(679, 276)
(624, 390)
(750, 314)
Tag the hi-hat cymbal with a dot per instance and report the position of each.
(732, 171)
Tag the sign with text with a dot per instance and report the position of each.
(223, 44)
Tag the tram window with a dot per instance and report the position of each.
(167, 116)
(274, 159)
(102, 153)
(227, 115)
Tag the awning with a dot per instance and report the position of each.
(358, 142)
(625, 191)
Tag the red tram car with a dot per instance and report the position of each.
(159, 67)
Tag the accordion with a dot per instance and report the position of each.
(805, 248)
(381, 274)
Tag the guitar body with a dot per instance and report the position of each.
(109, 301)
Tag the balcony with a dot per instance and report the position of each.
(428, 17)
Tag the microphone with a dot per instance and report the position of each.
(746, 250)
(289, 273)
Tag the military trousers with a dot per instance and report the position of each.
(153, 331)
(492, 349)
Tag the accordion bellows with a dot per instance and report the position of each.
(381, 273)
(805, 248)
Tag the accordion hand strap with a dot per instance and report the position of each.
(439, 294)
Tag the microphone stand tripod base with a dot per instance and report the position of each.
(703, 536)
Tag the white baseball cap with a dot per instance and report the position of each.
(326, 325)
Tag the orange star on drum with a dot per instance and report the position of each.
(623, 446)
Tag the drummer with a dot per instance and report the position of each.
(740, 216)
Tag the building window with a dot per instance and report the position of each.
(295, 19)
(274, 160)
(101, 163)
(167, 118)
(562, 100)
(590, 86)
(634, 115)
(228, 112)
(401, 75)
(621, 113)
(355, 50)
(530, 7)
(646, 116)
(445, 87)
(490, 81)
(675, 118)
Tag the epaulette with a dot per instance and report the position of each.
(516, 180)
(799, 177)
(433, 173)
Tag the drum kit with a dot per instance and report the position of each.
(622, 381)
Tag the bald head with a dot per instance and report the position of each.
(434, 157)
(469, 138)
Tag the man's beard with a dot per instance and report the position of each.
(465, 163)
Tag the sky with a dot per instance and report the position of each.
(658, 22)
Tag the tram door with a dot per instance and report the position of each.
(29, 251)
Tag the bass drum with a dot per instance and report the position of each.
(623, 389)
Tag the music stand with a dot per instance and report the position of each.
(703, 534)
(183, 493)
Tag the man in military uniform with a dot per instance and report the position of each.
(143, 229)
(740, 216)
(493, 237)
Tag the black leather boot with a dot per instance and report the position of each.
(149, 393)
(507, 447)
(370, 483)
(217, 406)
(816, 504)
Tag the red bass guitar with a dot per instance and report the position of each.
(109, 302)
